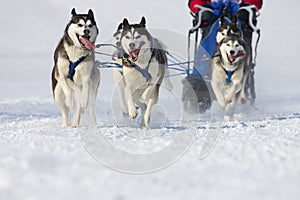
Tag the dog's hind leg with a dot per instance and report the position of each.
(60, 101)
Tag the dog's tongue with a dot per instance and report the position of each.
(231, 58)
(87, 44)
(134, 54)
(239, 54)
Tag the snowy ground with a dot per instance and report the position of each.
(255, 157)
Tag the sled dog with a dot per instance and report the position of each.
(144, 62)
(231, 28)
(228, 71)
(118, 72)
(75, 78)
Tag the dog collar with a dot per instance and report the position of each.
(229, 75)
(73, 65)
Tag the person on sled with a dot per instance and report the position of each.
(208, 18)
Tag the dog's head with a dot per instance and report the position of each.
(232, 49)
(116, 40)
(82, 30)
(228, 28)
(134, 37)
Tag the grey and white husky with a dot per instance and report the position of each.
(228, 69)
(144, 61)
(75, 78)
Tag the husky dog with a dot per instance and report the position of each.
(231, 28)
(75, 79)
(228, 71)
(144, 62)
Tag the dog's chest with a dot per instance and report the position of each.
(133, 77)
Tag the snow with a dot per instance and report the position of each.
(254, 157)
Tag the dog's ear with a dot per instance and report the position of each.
(143, 22)
(235, 19)
(73, 12)
(90, 13)
(120, 26)
(223, 21)
(125, 22)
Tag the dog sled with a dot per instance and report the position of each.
(207, 21)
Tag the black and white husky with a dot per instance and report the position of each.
(228, 68)
(144, 61)
(75, 78)
(118, 72)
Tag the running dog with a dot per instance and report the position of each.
(144, 61)
(228, 71)
(75, 78)
(230, 27)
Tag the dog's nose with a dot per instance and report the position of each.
(86, 31)
(232, 52)
(131, 45)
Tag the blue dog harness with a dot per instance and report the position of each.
(73, 65)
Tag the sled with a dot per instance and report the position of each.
(198, 77)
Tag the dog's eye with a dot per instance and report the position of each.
(90, 26)
(228, 45)
(127, 37)
(223, 34)
(237, 45)
(138, 37)
(79, 25)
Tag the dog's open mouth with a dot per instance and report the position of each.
(232, 58)
(85, 42)
(135, 53)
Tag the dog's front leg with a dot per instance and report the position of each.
(85, 91)
(235, 88)
(218, 88)
(78, 94)
(120, 86)
(67, 92)
(153, 99)
(62, 65)
(131, 106)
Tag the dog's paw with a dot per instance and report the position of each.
(222, 103)
(133, 113)
(75, 125)
(227, 100)
(243, 100)
(65, 125)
